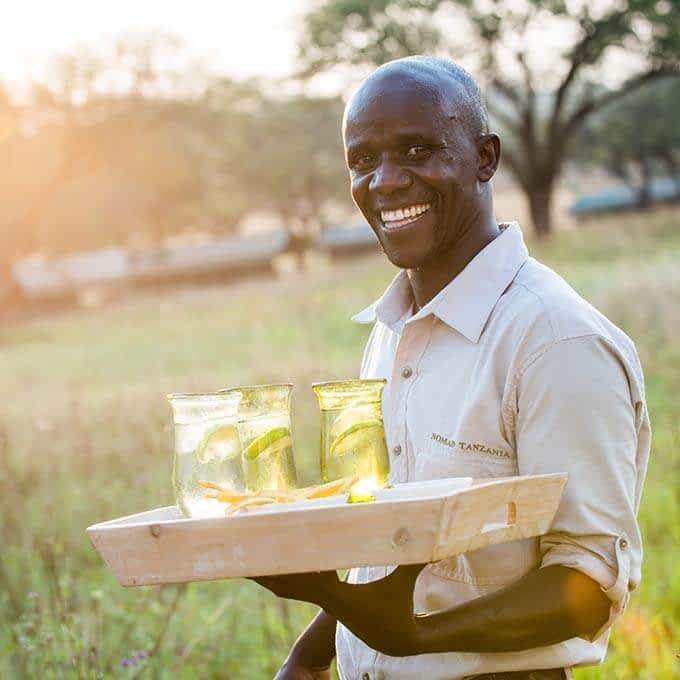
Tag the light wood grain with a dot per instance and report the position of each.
(158, 547)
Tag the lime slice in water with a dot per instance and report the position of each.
(349, 416)
(357, 437)
(270, 442)
(219, 443)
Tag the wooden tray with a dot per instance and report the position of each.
(411, 523)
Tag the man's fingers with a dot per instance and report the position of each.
(407, 573)
(307, 587)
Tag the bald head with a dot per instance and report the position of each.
(441, 78)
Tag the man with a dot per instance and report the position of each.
(495, 367)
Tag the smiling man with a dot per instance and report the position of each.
(495, 367)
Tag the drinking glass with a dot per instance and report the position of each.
(207, 447)
(264, 426)
(352, 433)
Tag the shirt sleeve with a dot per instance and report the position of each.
(577, 412)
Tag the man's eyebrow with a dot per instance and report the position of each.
(357, 147)
(420, 136)
(405, 137)
(413, 137)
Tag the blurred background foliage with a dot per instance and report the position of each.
(119, 151)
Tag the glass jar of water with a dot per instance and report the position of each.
(352, 432)
(264, 425)
(207, 447)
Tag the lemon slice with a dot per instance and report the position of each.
(357, 436)
(270, 442)
(219, 443)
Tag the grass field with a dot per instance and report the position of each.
(85, 435)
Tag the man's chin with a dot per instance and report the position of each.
(406, 249)
(404, 260)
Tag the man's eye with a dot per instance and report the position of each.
(363, 162)
(413, 153)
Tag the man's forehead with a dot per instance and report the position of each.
(402, 89)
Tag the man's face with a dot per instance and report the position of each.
(413, 169)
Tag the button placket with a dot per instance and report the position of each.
(414, 341)
(400, 386)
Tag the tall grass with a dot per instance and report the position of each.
(85, 436)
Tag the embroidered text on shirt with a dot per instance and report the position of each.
(470, 447)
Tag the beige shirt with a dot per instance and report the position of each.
(507, 371)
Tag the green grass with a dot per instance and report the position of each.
(85, 435)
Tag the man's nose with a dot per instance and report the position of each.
(389, 177)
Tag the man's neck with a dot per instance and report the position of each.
(430, 279)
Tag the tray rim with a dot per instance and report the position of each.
(122, 522)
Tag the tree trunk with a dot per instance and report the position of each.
(539, 196)
(644, 192)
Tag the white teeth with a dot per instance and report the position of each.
(404, 213)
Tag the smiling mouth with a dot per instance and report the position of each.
(396, 219)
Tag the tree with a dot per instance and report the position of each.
(537, 97)
(636, 139)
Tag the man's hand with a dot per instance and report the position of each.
(380, 613)
(313, 587)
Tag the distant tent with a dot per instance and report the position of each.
(38, 277)
(231, 254)
(625, 198)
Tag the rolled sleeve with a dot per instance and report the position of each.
(578, 412)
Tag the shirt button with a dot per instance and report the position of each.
(623, 543)
(397, 450)
(407, 372)
(365, 676)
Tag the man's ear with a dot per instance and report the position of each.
(489, 152)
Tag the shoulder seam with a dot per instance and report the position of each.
(551, 321)
(533, 358)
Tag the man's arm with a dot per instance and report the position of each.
(543, 608)
(546, 606)
(312, 654)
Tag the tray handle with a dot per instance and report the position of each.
(498, 511)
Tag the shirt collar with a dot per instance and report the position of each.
(467, 301)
